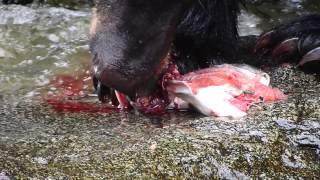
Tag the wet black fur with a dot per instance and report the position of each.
(207, 33)
(200, 32)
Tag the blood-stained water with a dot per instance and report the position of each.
(69, 93)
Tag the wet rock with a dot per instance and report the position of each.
(308, 140)
(2, 53)
(286, 124)
(3, 176)
(5, 54)
(292, 161)
(40, 160)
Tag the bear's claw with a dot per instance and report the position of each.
(298, 41)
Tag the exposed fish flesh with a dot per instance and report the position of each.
(223, 90)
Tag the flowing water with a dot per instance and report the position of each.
(39, 43)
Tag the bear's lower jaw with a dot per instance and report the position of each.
(156, 99)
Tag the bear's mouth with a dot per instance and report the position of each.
(154, 102)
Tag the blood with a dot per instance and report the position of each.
(245, 101)
(159, 100)
(269, 94)
(77, 106)
(68, 94)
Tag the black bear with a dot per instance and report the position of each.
(130, 39)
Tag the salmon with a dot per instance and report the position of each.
(227, 90)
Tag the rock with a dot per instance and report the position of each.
(2, 53)
(5, 54)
